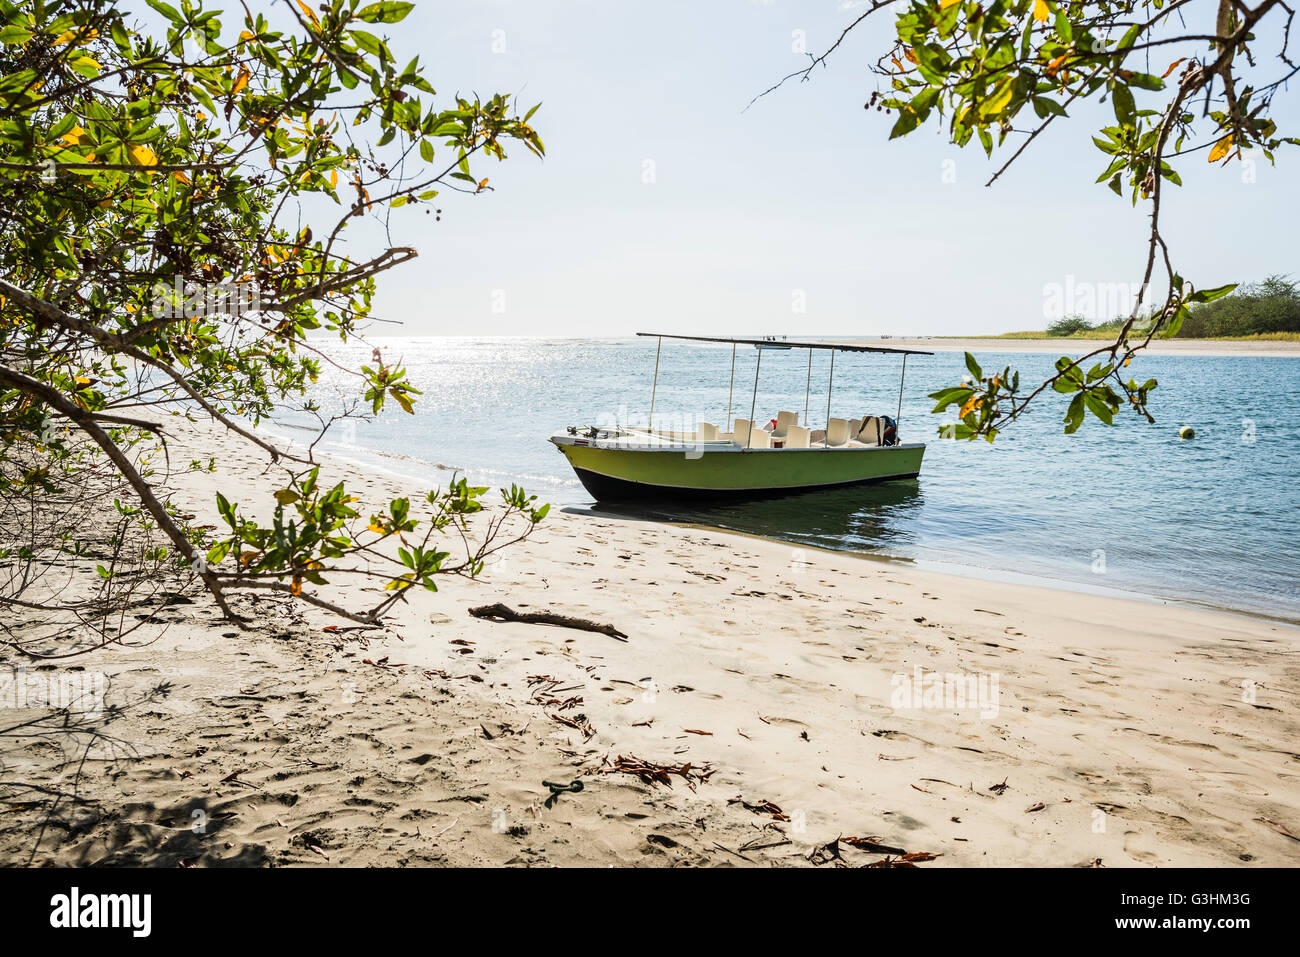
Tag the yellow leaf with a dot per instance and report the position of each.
(945, 4)
(76, 136)
(1221, 149)
(71, 35)
(334, 178)
(907, 52)
(246, 35)
(143, 156)
(241, 80)
(1041, 13)
(971, 405)
(307, 10)
(180, 177)
(1000, 98)
(375, 527)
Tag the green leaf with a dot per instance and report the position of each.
(974, 367)
(1176, 322)
(368, 42)
(948, 397)
(1209, 295)
(167, 10)
(1044, 105)
(1074, 415)
(1145, 81)
(1122, 100)
(12, 35)
(1099, 408)
(1063, 28)
(386, 12)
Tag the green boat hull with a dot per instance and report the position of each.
(614, 474)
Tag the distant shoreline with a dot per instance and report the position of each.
(1279, 348)
(1184, 347)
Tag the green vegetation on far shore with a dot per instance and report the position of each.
(1110, 334)
(1264, 311)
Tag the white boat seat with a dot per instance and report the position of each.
(797, 437)
(817, 437)
(837, 432)
(742, 428)
(760, 439)
(783, 422)
(855, 426)
(707, 432)
(869, 433)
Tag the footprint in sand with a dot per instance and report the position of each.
(782, 722)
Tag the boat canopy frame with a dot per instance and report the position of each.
(759, 344)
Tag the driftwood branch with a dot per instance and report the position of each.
(500, 612)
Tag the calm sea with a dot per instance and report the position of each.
(1128, 508)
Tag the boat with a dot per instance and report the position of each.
(743, 459)
(771, 342)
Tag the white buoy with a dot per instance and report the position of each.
(1187, 432)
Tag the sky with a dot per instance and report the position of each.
(664, 205)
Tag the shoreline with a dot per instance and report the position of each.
(364, 459)
(1120, 728)
(1002, 576)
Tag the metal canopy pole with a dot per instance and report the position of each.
(830, 384)
(807, 389)
(749, 439)
(655, 386)
(732, 387)
(899, 417)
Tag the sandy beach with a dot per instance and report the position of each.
(1182, 347)
(795, 683)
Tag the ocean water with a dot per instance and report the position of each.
(1129, 508)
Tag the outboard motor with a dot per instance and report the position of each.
(888, 431)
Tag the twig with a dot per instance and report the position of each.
(500, 612)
